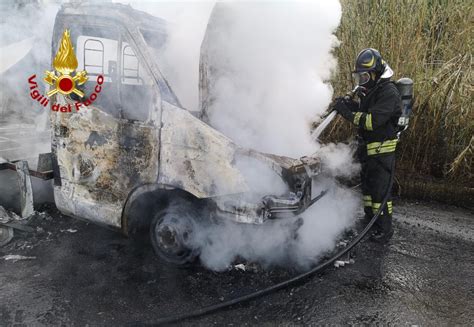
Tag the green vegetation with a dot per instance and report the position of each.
(429, 41)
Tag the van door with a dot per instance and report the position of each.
(106, 149)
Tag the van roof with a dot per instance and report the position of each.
(124, 13)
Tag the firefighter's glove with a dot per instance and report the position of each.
(351, 103)
(343, 107)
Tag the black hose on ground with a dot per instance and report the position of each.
(284, 284)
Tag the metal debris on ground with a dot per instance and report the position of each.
(342, 243)
(70, 230)
(26, 190)
(6, 232)
(7, 216)
(240, 266)
(342, 263)
(16, 257)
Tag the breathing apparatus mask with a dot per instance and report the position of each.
(361, 78)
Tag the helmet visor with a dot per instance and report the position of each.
(361, 78)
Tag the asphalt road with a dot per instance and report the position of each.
(80, 274)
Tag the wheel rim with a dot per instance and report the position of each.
(173, 238)
(6, 234)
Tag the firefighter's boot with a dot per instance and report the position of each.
(382, 229)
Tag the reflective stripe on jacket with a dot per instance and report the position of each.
(375, 148)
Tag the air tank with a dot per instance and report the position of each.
(405, 87)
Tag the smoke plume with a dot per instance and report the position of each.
(26, 29)
(179, 61)
(268, 66)
(277, 242)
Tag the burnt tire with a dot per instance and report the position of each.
(6, 235)
(172, 233)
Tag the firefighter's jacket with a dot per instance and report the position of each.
(377, 118)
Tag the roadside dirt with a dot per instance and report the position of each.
(74, 273)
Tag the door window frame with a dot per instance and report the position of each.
(124, 35)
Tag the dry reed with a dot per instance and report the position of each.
(429, 41)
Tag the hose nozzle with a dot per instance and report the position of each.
(350, 95)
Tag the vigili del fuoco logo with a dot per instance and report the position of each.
(63, 80)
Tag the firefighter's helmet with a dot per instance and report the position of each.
(369, 67)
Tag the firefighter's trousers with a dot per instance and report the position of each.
(375, 177)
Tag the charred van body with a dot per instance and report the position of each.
(135, 155)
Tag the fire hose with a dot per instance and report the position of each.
(289, 282)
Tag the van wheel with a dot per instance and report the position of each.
(173, 232)
(6, 235)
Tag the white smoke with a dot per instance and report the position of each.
(26, 29)
(270, 63)
(274, 242)
(179, 63)
(260, 178)
(338, 160)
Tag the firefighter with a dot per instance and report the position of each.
(376, 115)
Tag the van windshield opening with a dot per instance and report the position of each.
(156, 40)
